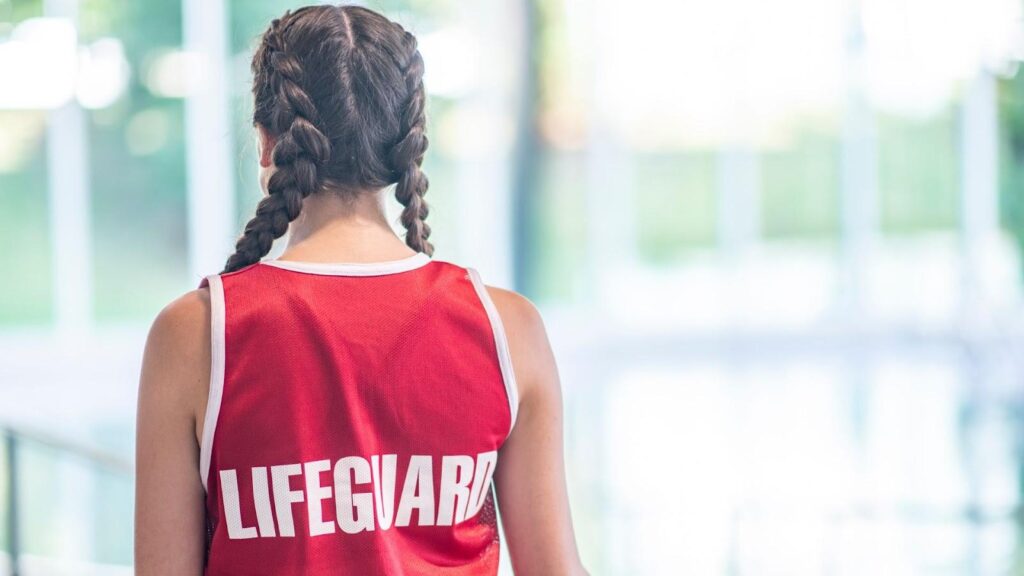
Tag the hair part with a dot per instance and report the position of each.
(340, 88)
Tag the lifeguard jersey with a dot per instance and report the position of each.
(354, 419)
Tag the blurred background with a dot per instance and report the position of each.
(777, 245)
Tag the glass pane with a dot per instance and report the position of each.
(1011, 157)
(800, 186)
(918, 172)
(136, 156)
(24, 229)
(559, 231)
(675, 199)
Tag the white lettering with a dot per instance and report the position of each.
(284, 496)
(456, 473)
(417, 493)
(316, 493)
(384, 487)
(363, 491)
(232, 507)
(261, 496)
(346, 502)
(485, 462)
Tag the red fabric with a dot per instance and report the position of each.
(323, 367)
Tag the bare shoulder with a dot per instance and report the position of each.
(515, 308)
(180, 329)
(183, 315)
(532, 358)
(519, 315)
(176, 361)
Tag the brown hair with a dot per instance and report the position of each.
(341, 90)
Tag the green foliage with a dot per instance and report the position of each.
(18, 10)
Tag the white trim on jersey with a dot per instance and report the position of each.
(501, 342)
(353, 268)
(216, 373)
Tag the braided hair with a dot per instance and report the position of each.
(340, 89)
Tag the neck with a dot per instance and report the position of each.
(337, 227)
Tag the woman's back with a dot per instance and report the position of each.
(354, 419)
(302, 416)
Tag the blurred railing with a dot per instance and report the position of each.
(15, 441)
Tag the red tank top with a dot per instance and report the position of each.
(354, 419)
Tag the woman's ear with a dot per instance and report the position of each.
(266, 145)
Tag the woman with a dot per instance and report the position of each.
(347, 407)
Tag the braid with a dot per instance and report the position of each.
(407, 155)
(340, 88)
(299, 153)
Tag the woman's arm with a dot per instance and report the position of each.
(530, 477)
(170, 531)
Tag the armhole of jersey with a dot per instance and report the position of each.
(501, 342)
(216, 373)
